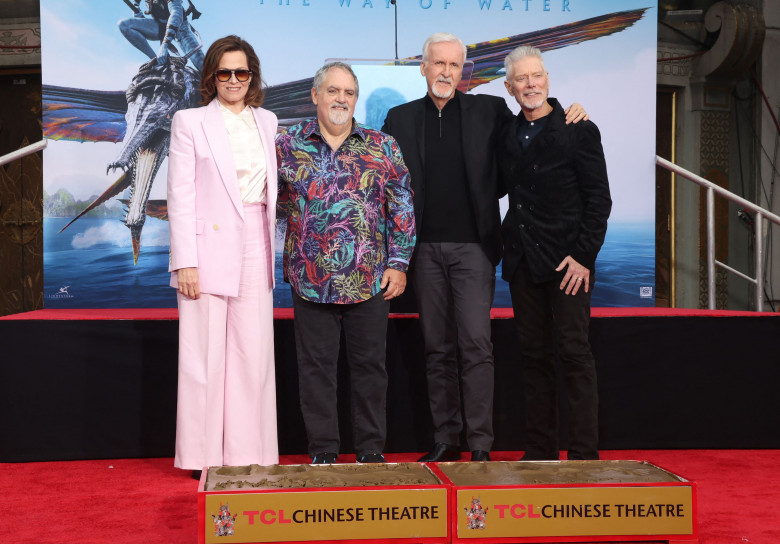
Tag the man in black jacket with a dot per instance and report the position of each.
(559, 202)
(448, 141)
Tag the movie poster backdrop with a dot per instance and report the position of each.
(107, 114)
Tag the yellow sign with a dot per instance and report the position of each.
(326, 515)
(574, 511)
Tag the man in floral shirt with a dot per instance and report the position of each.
(345, 195)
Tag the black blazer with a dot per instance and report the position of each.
(559, 197)
(481, 119)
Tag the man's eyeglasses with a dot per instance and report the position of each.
(241, 75)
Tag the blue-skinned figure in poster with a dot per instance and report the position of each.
(167, 21)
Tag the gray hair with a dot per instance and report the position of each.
(520, 53)
(319, 77)
(440, 37)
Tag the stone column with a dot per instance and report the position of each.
(741, 32)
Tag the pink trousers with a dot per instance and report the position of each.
(226, 408)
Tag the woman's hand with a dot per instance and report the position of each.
(188, 282)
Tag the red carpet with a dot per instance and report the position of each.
(132, 501)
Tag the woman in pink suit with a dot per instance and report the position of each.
(221, 208)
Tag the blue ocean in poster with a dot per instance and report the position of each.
(88, 266)
(625, 269)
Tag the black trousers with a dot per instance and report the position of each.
(454, 284)
(317, 338)
(550, 321)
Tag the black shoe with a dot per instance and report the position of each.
(196, 474)
(441, 452)
(371, 458)
(529, 456)
(579, 457)
(480, 455)
(324, 458)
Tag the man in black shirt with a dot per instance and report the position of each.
(559, 201)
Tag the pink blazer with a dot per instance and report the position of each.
(205, 211)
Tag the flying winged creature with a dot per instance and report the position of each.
(140, 117)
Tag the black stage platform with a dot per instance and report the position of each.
(106, 388)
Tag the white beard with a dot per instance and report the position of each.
(526, 103)
(338, 116)
(441, 94)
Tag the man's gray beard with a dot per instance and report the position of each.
(439, 94)
(338, 117)
(531, 105)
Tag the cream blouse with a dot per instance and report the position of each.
(248, 154)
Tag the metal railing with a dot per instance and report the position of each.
(23, 152)
(760, 215)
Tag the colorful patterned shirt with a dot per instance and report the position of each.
(348, 212)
